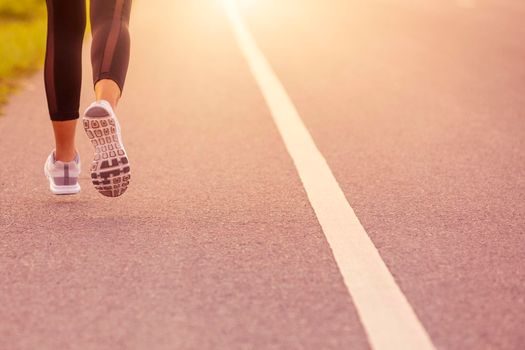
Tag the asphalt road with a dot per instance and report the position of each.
(418, 109)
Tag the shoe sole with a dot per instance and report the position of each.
(110, 170)
(64, 190)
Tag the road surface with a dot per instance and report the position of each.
(223, 242)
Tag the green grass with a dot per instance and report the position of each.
(22, 41)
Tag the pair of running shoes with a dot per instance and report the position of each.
(110, 170)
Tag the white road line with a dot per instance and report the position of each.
(387, 317)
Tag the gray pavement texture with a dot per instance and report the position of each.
(418, 108)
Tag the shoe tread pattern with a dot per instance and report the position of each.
(110, 170)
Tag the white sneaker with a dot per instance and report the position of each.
(62, 176)
(110, 170)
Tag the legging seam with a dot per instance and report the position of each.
(104, 52)
(105, 67)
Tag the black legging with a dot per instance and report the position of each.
(63, 65)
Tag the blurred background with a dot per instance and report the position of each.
(22, 40)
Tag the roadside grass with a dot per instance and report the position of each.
(22, 41)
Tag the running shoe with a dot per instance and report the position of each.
(110, 170)
(62, 176)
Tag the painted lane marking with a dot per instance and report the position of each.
(387, 317)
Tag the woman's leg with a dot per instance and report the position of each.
(110, 47)
(65, 148)
(110, 170)
(63, 70)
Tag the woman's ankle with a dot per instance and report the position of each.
(65, 155)
(109, 91)
(64, 131)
